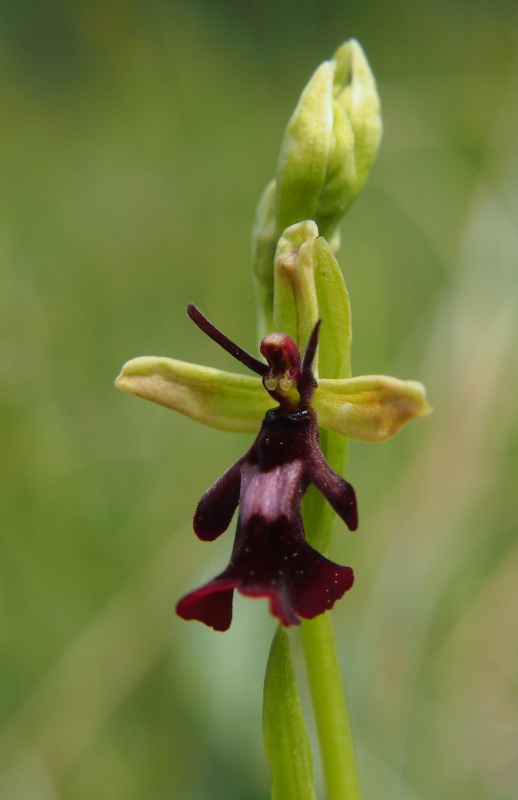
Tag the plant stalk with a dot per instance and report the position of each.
(330, 709)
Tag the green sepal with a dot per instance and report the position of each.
(334, 362)
(295, 309)
(285, 735)
(335, 312)
(371, 408)
(220, 399)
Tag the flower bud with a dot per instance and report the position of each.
(306, 149)
(326, 155)
(330, 142)
(355, 92)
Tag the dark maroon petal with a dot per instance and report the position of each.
(311, 349)
(272, 494)
(272, 559)
(227, 344)
(328, 583)
(216, 508)
(211, 604)
(337, 491)
(307, 591)
(279, 602)
(307, 382)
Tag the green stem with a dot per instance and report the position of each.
(330, 709)
(325, 682)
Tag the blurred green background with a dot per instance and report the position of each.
(135, 138)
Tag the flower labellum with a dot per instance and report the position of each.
(271, 557)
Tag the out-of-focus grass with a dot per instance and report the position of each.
(133, 147)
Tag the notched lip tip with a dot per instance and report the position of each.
(425, 409)
(119, 382)
(123, 379)
(130, 369)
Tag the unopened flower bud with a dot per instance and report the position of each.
(330, 142)
(327, 152)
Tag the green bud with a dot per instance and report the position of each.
(327, 152)
(330, 142)
(306, 149)
(355, 91)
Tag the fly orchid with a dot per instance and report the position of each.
(271, 557)
(284, 405)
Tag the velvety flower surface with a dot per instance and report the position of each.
(271, 557)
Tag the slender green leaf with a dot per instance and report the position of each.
(285, 735)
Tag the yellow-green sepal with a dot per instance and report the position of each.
(371, 408)
(335, 312)
(220, 399)
(334, 362)
(295, 309)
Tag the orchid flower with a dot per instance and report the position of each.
(284, 405)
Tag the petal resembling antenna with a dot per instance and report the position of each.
(311, 349)
(307, 383)
(227, 344)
